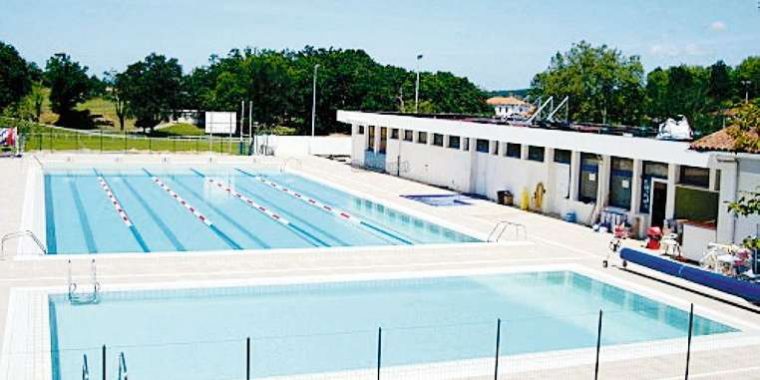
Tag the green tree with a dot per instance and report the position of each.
(152, 88)
(746, 133)
(115, 88)
(720, 86)
(747, 78)
(15, 77)
(602, 83)
(69, 85)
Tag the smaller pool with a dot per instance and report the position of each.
(440, 200)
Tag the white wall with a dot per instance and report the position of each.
(749, 180)
(299, 145)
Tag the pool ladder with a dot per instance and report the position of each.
(85, 298)
(20, 234)
(501, 227)
(121, 374)
(85, 369)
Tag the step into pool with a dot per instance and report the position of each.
(327, 327)
(159, 209)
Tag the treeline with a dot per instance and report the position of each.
(278, 82)
(606, 86)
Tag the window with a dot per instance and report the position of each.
(383, 139)
(481, 145)
(695, 176)
(589, 177)
(394, 134)
(454, 142)
(422, 137)
(717, 180)
(495, 150)
(562, 156)
(466, 144)
(620, 182)
(361, 129)
(408, 135)
(437, 139)
(536, 153)
(650, 170)
(371, 140)
(514, 150)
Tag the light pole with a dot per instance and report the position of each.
(417, 86)
(313, 105)
(746, 84)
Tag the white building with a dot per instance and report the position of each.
(509, 106)
(645, 180)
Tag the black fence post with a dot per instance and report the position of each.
(379, 349)
(498, 345)
(125, 141)
(51, 140)
(248, 358)
(40, 140)
(598, 345)
(101, 141)
(688, 344)
(103, 359)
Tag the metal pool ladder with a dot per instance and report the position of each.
(20, 234)
(501, 227)
(122, 367)
(84, 298)
(85, 369)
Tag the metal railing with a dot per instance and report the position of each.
(122, 374)
(501, 227)
(85, 369)
(86, 298)
(20, 234)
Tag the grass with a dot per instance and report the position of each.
(96, 106)
(180, 129)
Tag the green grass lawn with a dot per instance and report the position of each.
(179, 129)
(96, 106)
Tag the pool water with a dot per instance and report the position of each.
(144, 209)
(317, 328)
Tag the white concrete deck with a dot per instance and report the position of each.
(553, 242)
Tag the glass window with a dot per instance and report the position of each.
(371, 139)
(536, 153)
(466, 144)
(437, 139)
(361, 129)
(481, 145)
(620, 182)
(717, 180)
(692, 176)
(408, 135)
(514, 150)
(383, 139)
(422, 137)
(589, 178)
(562, 156)
(394, 134)
(454, 142)
(650, 169)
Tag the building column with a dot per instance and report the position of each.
(575, 172)
(550, 185)
(636, 196)
(670, 204)
(728, 193)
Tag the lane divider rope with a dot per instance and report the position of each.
(182, 202)
(250, 202)
(311, 201)
(115, 202)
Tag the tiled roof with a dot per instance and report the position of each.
(724, 142)
(504, 101)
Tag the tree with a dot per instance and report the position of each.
(720, 86)
(602, 83)
(747, 78)
(15, 78)
(152, 88)
(746, 134)
(68, 82)
(115, 88)
(747, 205)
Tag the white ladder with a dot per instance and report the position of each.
(501, 227)
(84, 298)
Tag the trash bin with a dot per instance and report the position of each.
(505, 197)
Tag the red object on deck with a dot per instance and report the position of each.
(654, 235)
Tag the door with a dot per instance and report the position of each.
(659, 198)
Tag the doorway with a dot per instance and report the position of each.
(659, 198)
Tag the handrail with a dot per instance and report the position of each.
(289, 160)
(122, 367)
(84, 299)
(19, 234)
(85, 369)
(501, 227)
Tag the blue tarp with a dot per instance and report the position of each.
(750, 291)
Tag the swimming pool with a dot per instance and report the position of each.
(326, 327)
(160, 209)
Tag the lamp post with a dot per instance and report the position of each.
(746, 84)
(417, 86)
(313, 105)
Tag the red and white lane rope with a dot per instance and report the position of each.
(115, 202)
(183, 202)
(250, 202)
(309, 200)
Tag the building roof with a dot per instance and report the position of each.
(505, 101)
(724, 141)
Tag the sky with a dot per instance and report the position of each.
(498, 44)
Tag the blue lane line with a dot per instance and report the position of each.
(226, 217)
(52, 246)
(363, 223)
(131, 227)
(213, 228)
(291, 225)
(83, 221)
(163, 227)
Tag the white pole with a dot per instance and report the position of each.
(250, 121)
(417, 86)
(313, 105)
(242, 115)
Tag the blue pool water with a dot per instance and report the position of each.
(191, 209)
(200, 333)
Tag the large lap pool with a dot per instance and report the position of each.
(326, 327)
(154, 209)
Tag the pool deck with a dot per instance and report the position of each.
(550, 242)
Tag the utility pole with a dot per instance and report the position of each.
(746, 84)
(313, 105)
(417, 86)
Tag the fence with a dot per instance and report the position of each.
(601, 345)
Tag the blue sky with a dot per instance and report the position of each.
(497, 44)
